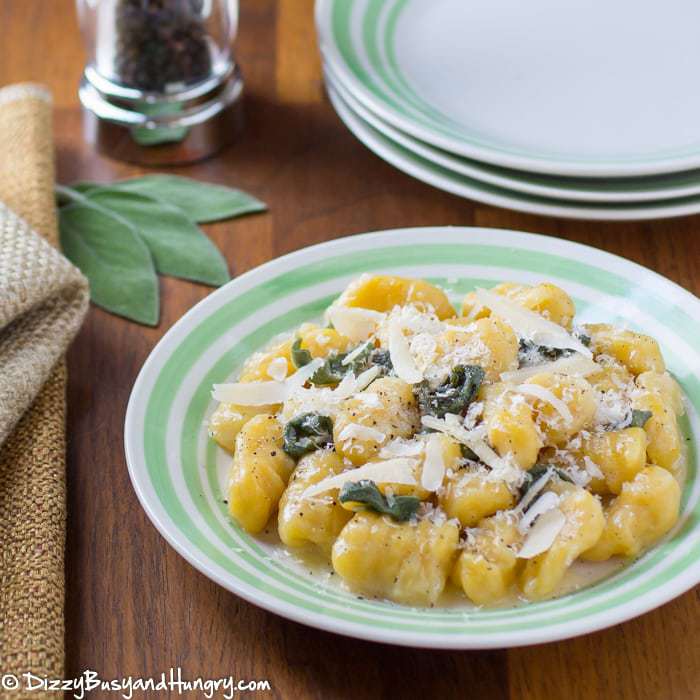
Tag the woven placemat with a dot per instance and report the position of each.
(43, 300)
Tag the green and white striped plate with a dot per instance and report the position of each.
(178, 473)
(445, 179)
(653, 190)
(541, 86)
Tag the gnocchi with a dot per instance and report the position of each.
(406, 562)
(427, 454)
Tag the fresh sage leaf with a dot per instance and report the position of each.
(638, 418)
(300, 356)
(115, 260)
(368, 497)
(179, 248)
(538, 471)
(200, 201)
(306, 433)
(455, 395)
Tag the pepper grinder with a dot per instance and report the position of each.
(160, 85)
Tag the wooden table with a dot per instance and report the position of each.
(136, 607)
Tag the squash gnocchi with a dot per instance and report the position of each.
(427, 455)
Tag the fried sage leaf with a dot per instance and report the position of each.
(364, 495)
(536, 472)
(333, 370)
(530, 353)
(454, 396)
(300, 356)
(381, 358)
(638, 418)
(306, 433)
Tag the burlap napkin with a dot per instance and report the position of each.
(43, 300)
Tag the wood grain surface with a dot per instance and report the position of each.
(134, 606)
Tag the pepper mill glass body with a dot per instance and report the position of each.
(160, 84)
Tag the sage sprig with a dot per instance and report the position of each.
(123, 233)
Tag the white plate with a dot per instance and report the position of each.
(607, 190)
(178, 473)
(583, 87)
(461, 185)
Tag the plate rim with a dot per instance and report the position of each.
(492, 155)
(682, 583)
(405, 161)
(466, 167)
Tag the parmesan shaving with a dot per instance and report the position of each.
(278, 368)
(355, 353)
(473, 439)
(433, 464)
(542, 534)
(303, 374)
(264, 393)
(251, 393)
(401, 358)
(347, 386)
(573, 364)
(474, 311)
(392, 471)
(399, 447)
(534, 490)
(545, 502)
(351, 384)
(547, 396)
(367, 377)
(361, 432)
(353, 322)
(530, 325)
(592, 468)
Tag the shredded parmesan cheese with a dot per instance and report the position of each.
(401, 358)
(433, 464)
(547, 396)
(528, 324)
(392, 471)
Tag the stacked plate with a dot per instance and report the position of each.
(584, 109)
